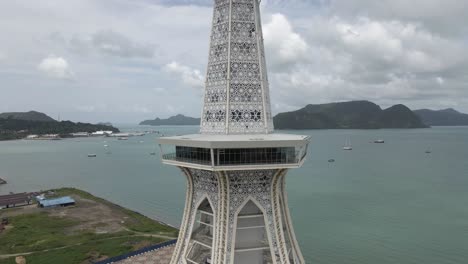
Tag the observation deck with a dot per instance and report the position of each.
(235, 152)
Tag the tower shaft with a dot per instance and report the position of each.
(236, 97)
(236, 206)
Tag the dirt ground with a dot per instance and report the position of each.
(91, 215)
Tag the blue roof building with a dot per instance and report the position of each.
(62, 201)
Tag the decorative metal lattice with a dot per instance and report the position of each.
(236, 93)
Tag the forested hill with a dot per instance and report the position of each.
(348, 115)
(445, 117)
(11, 128)
(178, 120)
(30, 116)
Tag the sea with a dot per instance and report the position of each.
(379, 203)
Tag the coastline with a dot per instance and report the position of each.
(91, 229)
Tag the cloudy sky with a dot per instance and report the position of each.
(127, 60)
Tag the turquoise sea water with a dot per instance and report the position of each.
(380, 203)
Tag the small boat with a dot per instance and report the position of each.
(122, 138)
(106, 146)
(428, 152)
(92, 155)
(153, 153)
(331, 160)
(347, 145)
(379, 141)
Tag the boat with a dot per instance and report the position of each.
(92, 155)
(106, 146)
(153, 153)
(379, 141)
(122, 138)
(331, 160)
(428, 152)
(348, 145)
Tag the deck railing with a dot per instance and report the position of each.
(136, 253)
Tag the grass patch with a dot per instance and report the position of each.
(55, 239)
(39, 231)
(136, 222)
(88, 252)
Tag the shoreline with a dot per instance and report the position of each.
(89, 230)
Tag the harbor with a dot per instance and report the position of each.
(396, 176)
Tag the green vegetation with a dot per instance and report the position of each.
(445, 117)
(98, 249)
(39, 231)
(55, 236)
(16, 128)
(30, 116)
(136, 222)
(178, 120)
(348, 115)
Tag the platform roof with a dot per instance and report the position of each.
(236, 141)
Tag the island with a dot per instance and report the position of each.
(88, 230)
(178, 120)
(348, 115)
(20, 125)
(444, 117)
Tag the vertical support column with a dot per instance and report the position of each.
(261, 65)
(228, 88)
(181, 243)
(289, 225)
(277, 216)
(222, 220)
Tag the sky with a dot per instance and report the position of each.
(124, 61)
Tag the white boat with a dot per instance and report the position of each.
(347, 145)
(379, 141)
(122, 138)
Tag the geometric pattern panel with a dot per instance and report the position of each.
(236, 90)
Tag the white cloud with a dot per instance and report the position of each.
(284, 45)
(440, 80)
(57, 67)
(190, 76)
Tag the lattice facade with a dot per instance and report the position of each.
(247, 220)
(236, 93)
(227, 193)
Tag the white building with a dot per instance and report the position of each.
(236, 207)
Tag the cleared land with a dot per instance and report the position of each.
(92, 230)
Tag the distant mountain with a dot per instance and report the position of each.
(29, 116)
(16, 128)
(105, 123)
(348, 115)
(445, 117)
(178, 120)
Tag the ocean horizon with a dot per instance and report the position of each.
(379, 203)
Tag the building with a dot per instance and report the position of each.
(236, 207)
(16, 200)
(57, 202)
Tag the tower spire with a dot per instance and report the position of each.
(236, 207)
(236, 99)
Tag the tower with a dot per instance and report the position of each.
(236, 208)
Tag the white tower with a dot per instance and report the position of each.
(236, 206)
